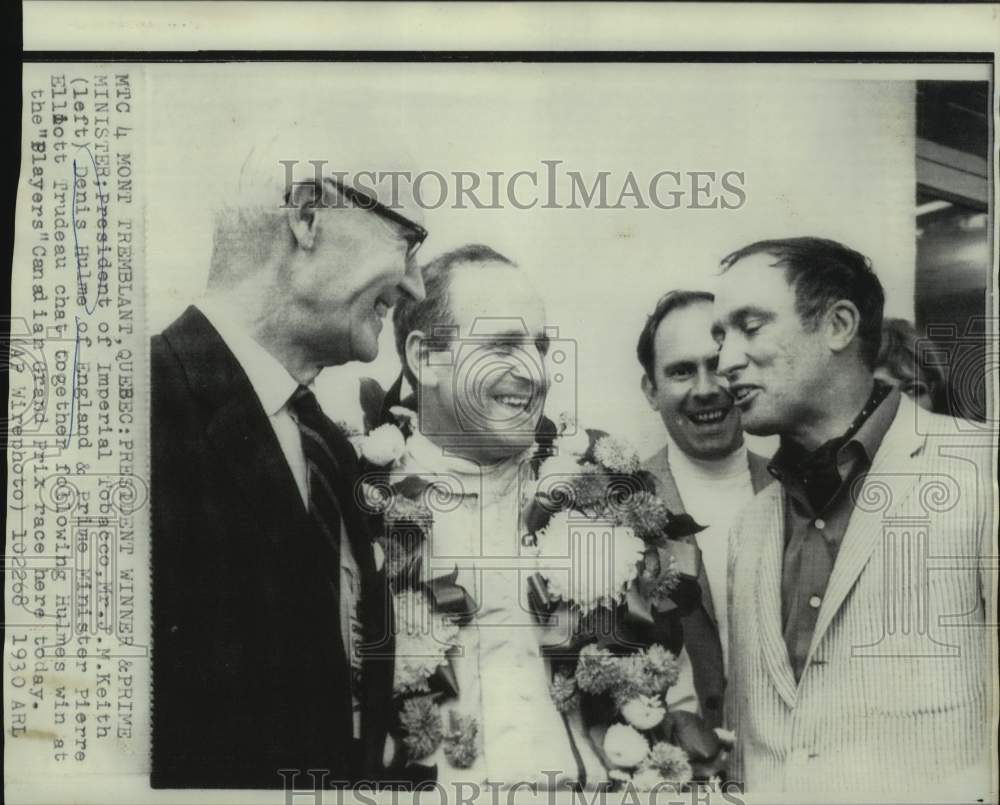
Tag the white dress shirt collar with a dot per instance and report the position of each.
(271, 381)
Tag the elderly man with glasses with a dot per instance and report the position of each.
(265, 581)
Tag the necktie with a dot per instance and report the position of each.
(320, 445)
(331, 469)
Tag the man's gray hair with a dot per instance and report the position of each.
(253, 183)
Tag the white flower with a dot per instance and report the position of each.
(553, 540)
(616, 454)
(575, 563)
(643, 712)
(726, 737)
(629, 551)
(384, 445)
(625, 747)
(576, 444)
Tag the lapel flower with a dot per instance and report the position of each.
(384, 445)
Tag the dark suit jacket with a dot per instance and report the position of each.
(701, 630)
(249, 672)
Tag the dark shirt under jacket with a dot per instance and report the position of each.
(819, 491)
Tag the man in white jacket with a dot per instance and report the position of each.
(474, 353)
(860, 659)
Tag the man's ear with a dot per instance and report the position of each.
(303, 200)
(843, 321)
(415, 352)
(650, 391)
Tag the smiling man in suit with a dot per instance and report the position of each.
(704, 469)
(859, 655)
(265, 582)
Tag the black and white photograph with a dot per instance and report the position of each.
(481, 425)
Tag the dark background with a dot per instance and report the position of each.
(953, 243)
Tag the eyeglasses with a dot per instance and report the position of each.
(415, 233)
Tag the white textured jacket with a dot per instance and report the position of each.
(898, 694)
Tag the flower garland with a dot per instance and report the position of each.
(424, 640)
(587, 477)
(582, 477)
(591, 484)
(641, 744)
(636, 683)
(428, 614)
